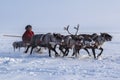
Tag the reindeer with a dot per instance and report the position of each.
(66, 44)
(80, 41)
(96, 43)
(48, 40)
(71, 41)
(99, 41)
(86, 40)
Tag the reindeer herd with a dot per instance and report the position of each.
(64, 43)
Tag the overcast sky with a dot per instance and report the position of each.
(53, 15)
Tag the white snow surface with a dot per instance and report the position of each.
(20, 66)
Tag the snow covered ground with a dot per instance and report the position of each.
(20, 66)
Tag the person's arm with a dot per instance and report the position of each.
(24, 36)
(33, 32)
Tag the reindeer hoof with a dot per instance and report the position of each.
(49, 55)
(89, 55)
(25, 51)
(57, 55)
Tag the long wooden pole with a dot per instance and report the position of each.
(12, 36)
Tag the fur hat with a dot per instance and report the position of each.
(28, 26)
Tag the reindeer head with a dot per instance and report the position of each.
(58, 35)
(106, 36)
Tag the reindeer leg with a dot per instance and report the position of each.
(61, 49)
(49, 52)
(39, 49)
(100, 52)
(49, 49)
(87, 51)
(56, 53)
(78, 52)
(14, 49)
(66, 51)
(74, 52)
(93, 50)
(27, 49)
(53, 49)
(19, 49)
(32, 49)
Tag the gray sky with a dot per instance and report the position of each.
(53, 15)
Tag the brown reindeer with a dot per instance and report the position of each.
(71, 42)
(99, 41)
(95, 42)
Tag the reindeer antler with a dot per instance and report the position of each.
(77, 28)
(66, 28)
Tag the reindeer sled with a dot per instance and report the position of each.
(19, 44)
(76, 42)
